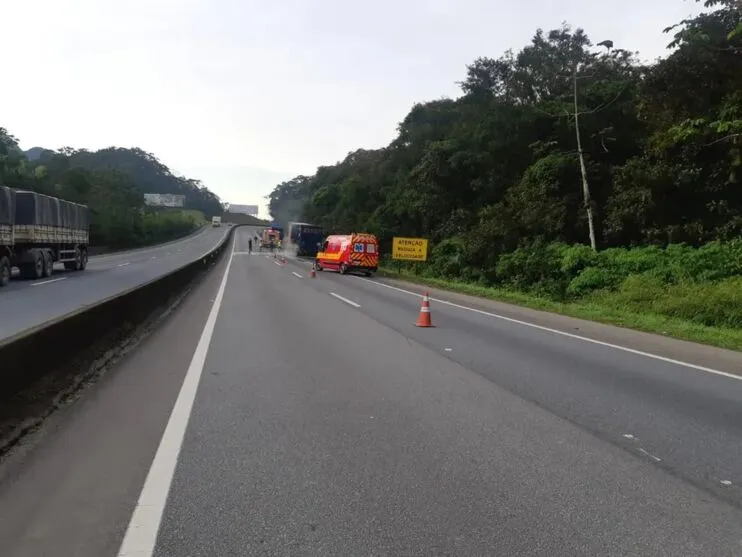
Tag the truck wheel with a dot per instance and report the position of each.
(74, 265)
(48, 263)
(343, 268)
(83, 259)
(39, 265)
(317, 265)
(4, 271)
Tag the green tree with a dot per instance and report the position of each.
(112, 183)
(500, 168)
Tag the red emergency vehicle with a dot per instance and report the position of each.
(349, 253)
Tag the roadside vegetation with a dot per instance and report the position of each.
(240, 218)
(690, 293)
(112, 183)
(569, 176)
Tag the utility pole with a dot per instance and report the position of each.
(583, 170)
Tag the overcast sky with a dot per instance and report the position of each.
(243, 96)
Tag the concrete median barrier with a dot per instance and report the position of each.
(45, 357)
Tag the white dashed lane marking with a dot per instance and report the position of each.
(346, 300)
(47, 281)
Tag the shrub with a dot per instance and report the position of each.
(589, 280)
(445, 259)
(535, 269)
(701, 285)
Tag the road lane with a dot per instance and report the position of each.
(659, 345)
(29, 304)
(319, 428)
(688, 419)
(199, 239)
(69, 488)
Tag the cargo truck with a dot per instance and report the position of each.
(304, 238)
(37, 231)
(216, 222)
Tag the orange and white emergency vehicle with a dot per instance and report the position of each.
(349, 253)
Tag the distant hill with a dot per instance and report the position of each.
(148, 174)
(111, 182)
(35, 153)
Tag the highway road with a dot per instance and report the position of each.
(29, 304)
(275, 414)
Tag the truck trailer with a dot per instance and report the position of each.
(37, 231)
(304, 238)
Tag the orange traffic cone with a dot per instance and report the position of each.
(424, 319)
(313, 272)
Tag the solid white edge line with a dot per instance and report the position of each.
(141, 534)
(47, 281)
(297, 275)
(566, 334)
(124, 264)
(346, 300)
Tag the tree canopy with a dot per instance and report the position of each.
(498, 168)
(111, 182)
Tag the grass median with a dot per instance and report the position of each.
(642, 305)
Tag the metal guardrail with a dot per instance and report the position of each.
(54, 347)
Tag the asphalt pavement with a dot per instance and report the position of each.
(310, 417)
(686, 420)
(27, 304)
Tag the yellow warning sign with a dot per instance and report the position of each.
(410, 249)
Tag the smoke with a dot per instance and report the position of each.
(289, 211)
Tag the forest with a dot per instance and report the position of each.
(111, 182)
(570, 172)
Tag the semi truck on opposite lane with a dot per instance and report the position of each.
(37, 231)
